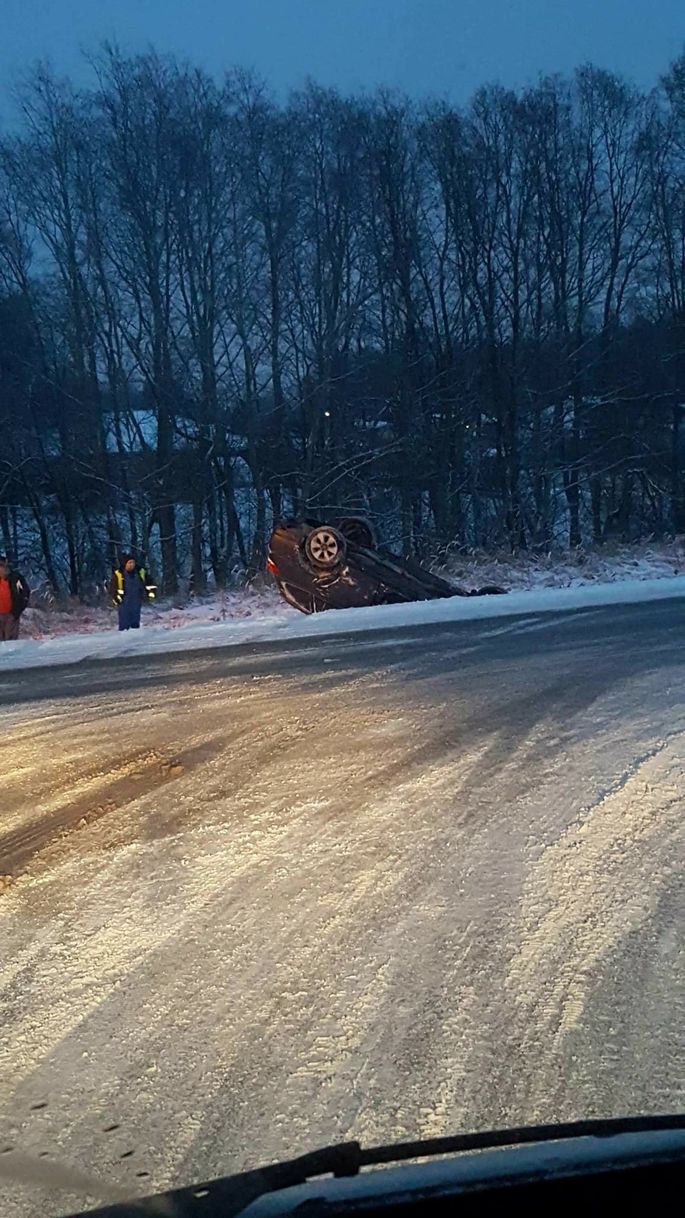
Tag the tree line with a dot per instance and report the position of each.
(217, 309)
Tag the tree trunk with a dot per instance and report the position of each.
(677, 497)
(596, 505)
(165, 512)
(198, 578)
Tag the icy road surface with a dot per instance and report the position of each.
(372, 886)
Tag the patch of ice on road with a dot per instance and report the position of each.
(279, 626)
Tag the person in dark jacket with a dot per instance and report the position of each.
(14, 597)
(129, 591)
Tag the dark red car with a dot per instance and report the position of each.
(338, 565)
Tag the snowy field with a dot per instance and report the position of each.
(626, 576)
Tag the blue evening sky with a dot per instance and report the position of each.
(445, 47)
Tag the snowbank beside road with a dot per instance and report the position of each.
(41, 621)
(282, 624)
(607, 565)
(46, 619)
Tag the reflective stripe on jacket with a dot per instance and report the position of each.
(117, 586)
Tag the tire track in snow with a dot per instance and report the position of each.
(595, 886)
(315, 942)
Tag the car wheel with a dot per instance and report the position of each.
(358, 531)
(325, 547)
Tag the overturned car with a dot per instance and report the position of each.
(321, 565)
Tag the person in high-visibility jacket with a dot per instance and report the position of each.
(129, 591)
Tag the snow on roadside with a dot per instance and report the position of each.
(278, 623)
(608, 565)
(43, 622)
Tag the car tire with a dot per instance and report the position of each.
(325, 548)
(358, 532)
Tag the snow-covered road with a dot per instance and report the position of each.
(375, 886)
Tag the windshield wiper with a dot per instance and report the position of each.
(428, 1148)
(234, 1193)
